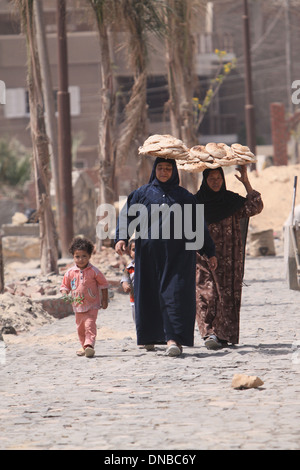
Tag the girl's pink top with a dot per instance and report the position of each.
(86, 283)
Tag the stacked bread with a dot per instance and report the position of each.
(214, 155)
(199, 157)
(165, 146)
(243, 154)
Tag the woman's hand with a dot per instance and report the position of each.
(120, 247)
(243, 177)
(126, 287)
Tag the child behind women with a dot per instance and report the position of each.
(85, 282)
(127, 280)
(127, 283)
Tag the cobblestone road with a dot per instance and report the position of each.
(127, 398)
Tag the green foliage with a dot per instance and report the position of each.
(68, 298)
(223, 71)
(15, 163)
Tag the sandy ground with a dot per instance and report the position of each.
(276, 185)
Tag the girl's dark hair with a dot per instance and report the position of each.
(131, 243)
(79, 243)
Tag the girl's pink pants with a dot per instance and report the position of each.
(86, 327)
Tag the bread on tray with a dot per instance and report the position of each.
(198, 158)
(215, 155)
(165, 146)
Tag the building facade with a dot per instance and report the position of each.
(274, 64)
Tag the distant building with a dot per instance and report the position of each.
(221, 28)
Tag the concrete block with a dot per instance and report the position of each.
(55, 306)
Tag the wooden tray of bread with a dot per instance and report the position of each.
(199, 157)
(214, 155)
(165, 146)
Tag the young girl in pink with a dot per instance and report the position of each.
(88, 292)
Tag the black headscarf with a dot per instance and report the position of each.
(218, 205)
(173, 181)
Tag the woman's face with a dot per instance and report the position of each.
(163, 171)
(214, 180)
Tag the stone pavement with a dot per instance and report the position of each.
(127, 398)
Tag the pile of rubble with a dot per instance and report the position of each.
(31, 300)
(19, 314)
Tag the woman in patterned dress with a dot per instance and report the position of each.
(218, 293)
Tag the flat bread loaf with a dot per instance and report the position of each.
(165, 146)
(199, 157)
(215, 155)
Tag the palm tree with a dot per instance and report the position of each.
(41, 158)
(50, 118)
(102, 11)
(139, 19)
(182, 80)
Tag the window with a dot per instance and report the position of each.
(17, 102)
(2, 92)
(15, 106)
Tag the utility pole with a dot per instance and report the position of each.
(50, 119)
(64, 136)
(249, 106)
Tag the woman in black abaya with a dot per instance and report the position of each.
(164, 269)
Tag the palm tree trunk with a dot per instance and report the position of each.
(133, 130)
(41, 158)
(139, 19)
(181, 76)
(48, 236)
(106, 121)
(50, 118)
